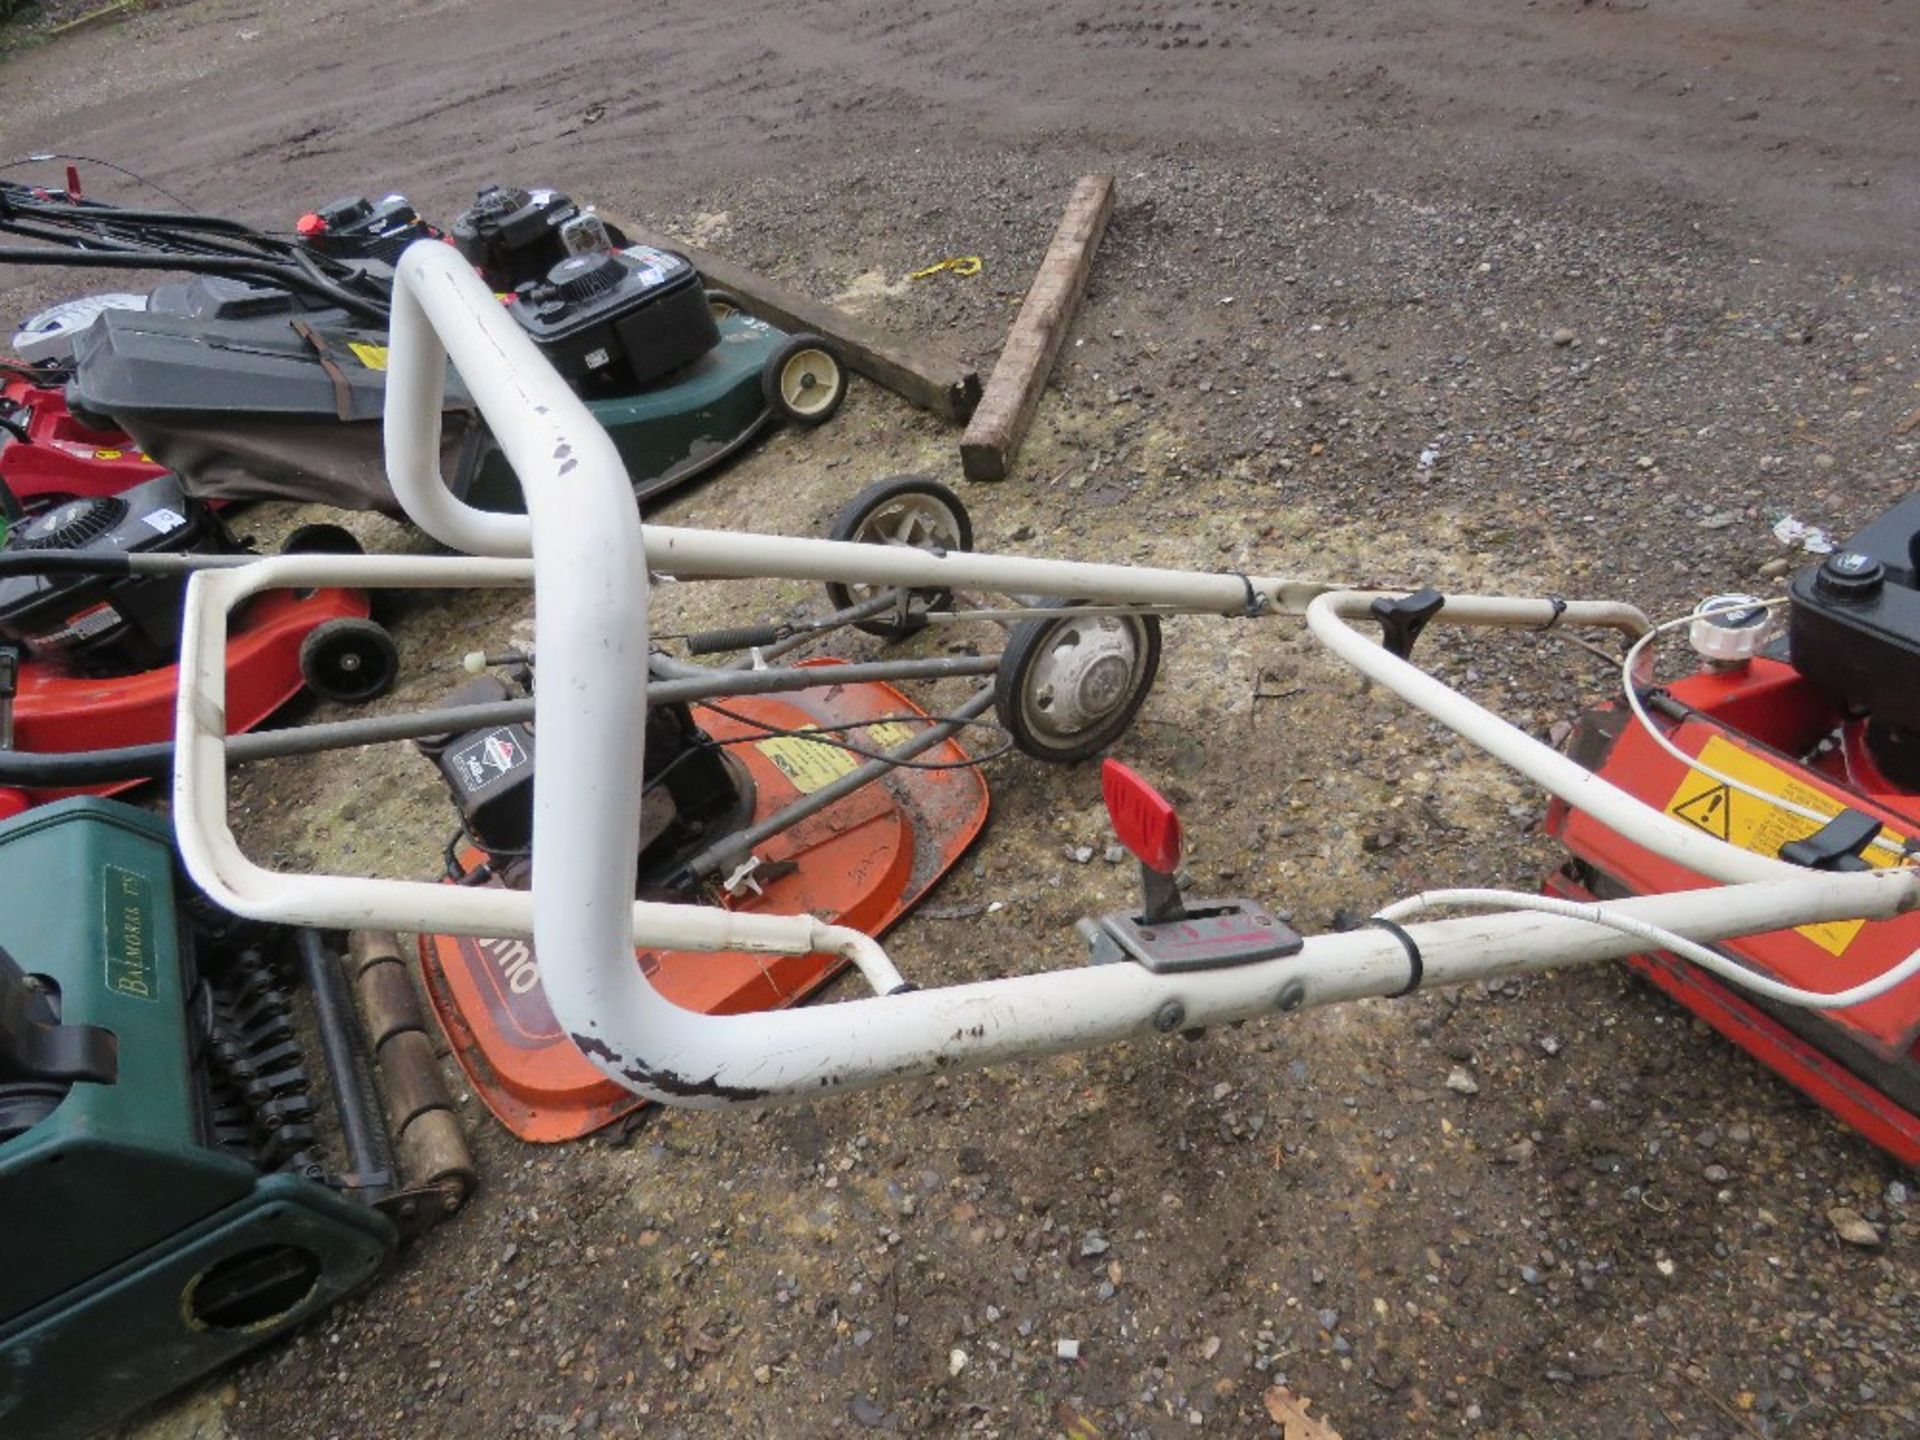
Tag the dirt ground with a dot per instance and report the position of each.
(1564, 297)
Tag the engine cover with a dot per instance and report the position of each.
(614, 321)
(103, 624)
(1854, 631)
(357, 228)
(694, 793)
(512, 236)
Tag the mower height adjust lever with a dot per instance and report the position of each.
(1169, 935)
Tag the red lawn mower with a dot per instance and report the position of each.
(48, 455)
(1806, 747)
(87, 647)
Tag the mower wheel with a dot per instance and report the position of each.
(722, 304)
(804, 381)
(1067, 688)
(910, 510)
(321, 539)
(349, 660)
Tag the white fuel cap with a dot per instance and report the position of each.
(1729, 629)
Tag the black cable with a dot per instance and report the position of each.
(42, 157)
(286, 274)
(820, 734)
(62, 562)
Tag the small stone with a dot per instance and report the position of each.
(763, 1374)
(1776, 568)
(1665, 1267)
(1329, 1319)
(1853, 1228)
(1519, 1152)
(1222, 1090)
(1081, 854)
(1563, 337)
(1645, 462)
(1093, 1243)
(1717, 1174)
(1114, 854)
(1066, 1349)
(1896, 1193)
(1530, 1275)
(1211, 1348)
(1720, 521)
(1550, 1044)
(862, 1338)
(870, 1413)
(1461, 1082)
(956, 1361)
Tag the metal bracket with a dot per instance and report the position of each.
(1212, 935)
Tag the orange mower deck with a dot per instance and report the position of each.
(864, 861)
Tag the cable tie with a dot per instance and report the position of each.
(1416, 967)
(1256, 602)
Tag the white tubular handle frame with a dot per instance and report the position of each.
(590, 573)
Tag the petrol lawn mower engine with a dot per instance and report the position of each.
(1805, 749)
(695, 793)
(96, 624)
(356, 228)
(612, 321)
(514, 236)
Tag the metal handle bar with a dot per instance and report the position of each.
(590, 576)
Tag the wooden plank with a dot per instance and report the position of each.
(914, 370)
(1013, 393)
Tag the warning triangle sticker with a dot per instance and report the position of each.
(1710, 810)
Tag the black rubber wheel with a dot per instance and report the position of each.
(908, 510)
(43, 502)
(1068, 687)
(349, 660)
(723, 304)
(804, 381)
(321, 539)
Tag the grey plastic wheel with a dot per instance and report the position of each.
(910, 510)
(1067, 688)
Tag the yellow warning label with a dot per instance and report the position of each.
(374, 357)
(808, 763)
(1752, 824)
(812, 764)
(885, 737)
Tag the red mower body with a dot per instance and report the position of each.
(55, 713)
(863, 861)
(1862, 1063)
(62, 458)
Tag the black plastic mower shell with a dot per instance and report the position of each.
(258, 409)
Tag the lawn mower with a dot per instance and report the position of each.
(87, 648)
(48, 457)
(262, 376)
(197, 1152)
(1172, 963)
(1801, 747)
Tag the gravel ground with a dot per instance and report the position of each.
(1575, 298)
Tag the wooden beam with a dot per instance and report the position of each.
(1013, 394)
(914, 370)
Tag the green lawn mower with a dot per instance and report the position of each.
(177, 1183)
(253, 380)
